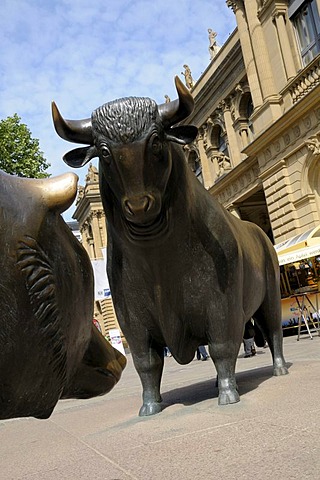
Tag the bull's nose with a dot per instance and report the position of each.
(138, 205)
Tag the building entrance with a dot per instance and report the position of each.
(254, 209)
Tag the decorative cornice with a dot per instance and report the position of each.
(305, 116)
(278, 11)
(236, 182)
(271, 171)
(239, 186)
(263, 8)
(304, 200)
(99, 213)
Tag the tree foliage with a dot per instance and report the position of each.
(20, 154)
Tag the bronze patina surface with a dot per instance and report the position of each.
(49, 348)
(183, 271)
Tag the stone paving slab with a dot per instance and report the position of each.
(272, 433)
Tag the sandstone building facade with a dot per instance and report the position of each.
(258, 112)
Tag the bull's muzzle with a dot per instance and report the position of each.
(140, 209)
(99, 370)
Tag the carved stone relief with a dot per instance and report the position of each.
(313, 144)
(223, 162)
(290, 138)
(239, 185)
(235, 5)
(307, 122)
(296, 131)
(286, 138)
(193, 156)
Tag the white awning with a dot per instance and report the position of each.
(306, 239)
(303, 245)
(299, 254)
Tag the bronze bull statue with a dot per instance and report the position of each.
(49, 348)
(183, 271)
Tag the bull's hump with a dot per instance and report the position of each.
(60, 192)
(57, 193)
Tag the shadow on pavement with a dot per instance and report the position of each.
(199, 392)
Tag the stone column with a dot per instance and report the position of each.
(92, 252)
(260, 50)
(102, 227)
(214, 156)
(234, 148)
(279, 20)
(246, 47)
(88, 240)
(96, 232)
(243, 132)
(83, 232)
(244, 136)
(208, 174)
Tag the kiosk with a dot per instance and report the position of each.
(299, 260)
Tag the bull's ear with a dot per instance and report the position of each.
(183, 135)
(80, 156)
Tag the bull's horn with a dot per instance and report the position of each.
(77, 131)
(177, 110)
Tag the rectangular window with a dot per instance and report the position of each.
(307, 25)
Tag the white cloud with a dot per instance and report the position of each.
(83, 54)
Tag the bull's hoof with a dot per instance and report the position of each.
(228, 396)
(150, 409)
(280, 371)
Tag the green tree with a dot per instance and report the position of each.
(19, 152)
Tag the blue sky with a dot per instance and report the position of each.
(83, 54)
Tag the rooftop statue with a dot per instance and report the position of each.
(92, 175)
(187, 76)
(183, 271)
(213, 46)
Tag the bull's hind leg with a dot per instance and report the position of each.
(268, 318)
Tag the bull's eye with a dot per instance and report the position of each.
(105, 153)
(156, 146)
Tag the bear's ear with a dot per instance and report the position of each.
(80, 156)
(183, 135)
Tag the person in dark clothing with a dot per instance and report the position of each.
(248, 340)
(202, 352)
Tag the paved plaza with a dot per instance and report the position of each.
(273, 433)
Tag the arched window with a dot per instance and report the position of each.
(218, 140)
(245, 122)
(246, 107)
(249, 113)
(195, 164)
(219, 153)
(249, 107)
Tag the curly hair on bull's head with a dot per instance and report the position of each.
(126, 119)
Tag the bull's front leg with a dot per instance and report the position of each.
(149, 366)
(224, 356)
